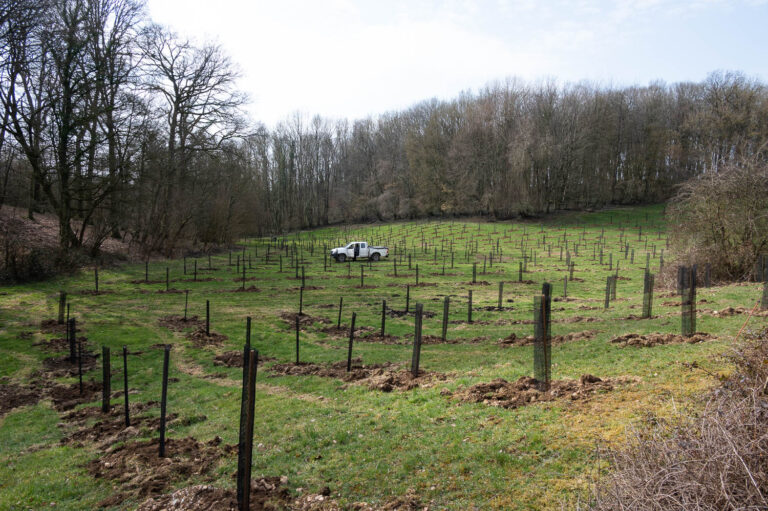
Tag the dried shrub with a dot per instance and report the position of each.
(721, 218)
(713, 460)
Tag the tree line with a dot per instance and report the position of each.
(122, 128)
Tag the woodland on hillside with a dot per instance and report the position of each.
(113, 122)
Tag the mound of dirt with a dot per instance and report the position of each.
(110, 429)
(66, 397)
(733, 311)
(634, 317)
(656, 339)
(577, 319)
(479, 283)
(492, 308)
(249, 289)
(524, 391)
(430, 339)
(59, 367)
(384, 377)
(93, 292)
(343, 331)
(12, 396)
(266, 494)
(395, 313)
(381, 339)
(514, 340)
(60, 344)
(200, 339)
(171, 291)
(142, 281)
(51, 326)
(235, 359)
(177, 323)
(305, 320)
(140, 473)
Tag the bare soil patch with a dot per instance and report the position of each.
(266, 494)
(140, 473)
(492, 308)
(656, 339)
(305, 320)
(525, 391)
(171, 291)
(66, 397)
(312, 288)
(381, 339)
(513, 340)
(479, 283)
(177, 323)
(142, 281)
(51, 326)
(59, 343)
(200, 339)
(396, 313)
(13, 396)
(384, 377)
(93, 292)
(62, 366)
(733, 311)
(235, 359)
(109, 429)
(343, 330)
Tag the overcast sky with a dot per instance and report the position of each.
(346, 58)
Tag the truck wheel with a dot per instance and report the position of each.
(341, 258)
(375, 257)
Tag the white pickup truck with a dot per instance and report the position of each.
(359, 249)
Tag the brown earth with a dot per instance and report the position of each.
(343, 331)
(268, 493)
(200, 339)
(381, 339)
(656, 339)
(524, 391)
(514, 340)
(60, 344)
(732, 311)
(235, 359)
(140, 473)
(177, 323)
(395, 313)
(384, 377)
(51, 326)
(305, 320)
(64, 397)
(171, 291)
(62, 366)
(109, 429)
(13, 395)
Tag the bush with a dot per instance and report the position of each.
(721, 218)
(717, 460)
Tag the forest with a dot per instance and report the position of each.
(124, 129)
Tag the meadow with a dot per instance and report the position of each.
(359, 440)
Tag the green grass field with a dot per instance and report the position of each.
(364, 444)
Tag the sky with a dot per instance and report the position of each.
(354, 59)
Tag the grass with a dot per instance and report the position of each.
(363, 444)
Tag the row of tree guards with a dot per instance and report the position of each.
(542, 360)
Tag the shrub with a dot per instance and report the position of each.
(715, 461)
(721, 218)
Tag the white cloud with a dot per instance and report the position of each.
(351, 58)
